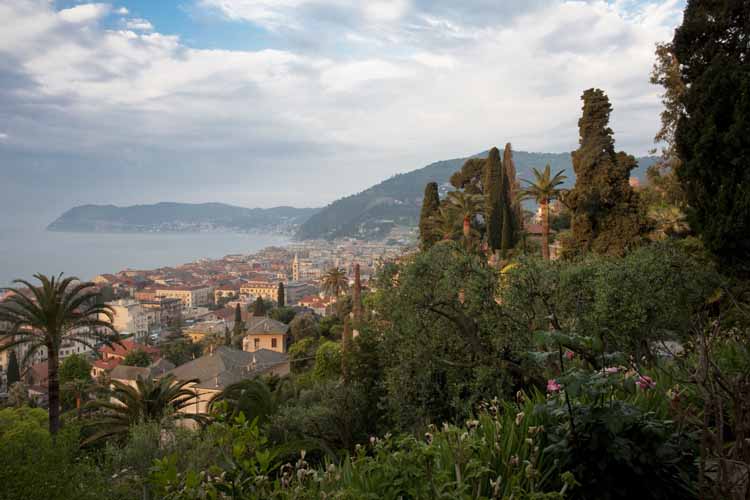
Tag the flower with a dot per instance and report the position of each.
(553, 386)
(645, 382)
(570, 354)
(611, 369)
(519, 418)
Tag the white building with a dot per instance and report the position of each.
(130, 317)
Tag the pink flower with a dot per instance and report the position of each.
(611, 369)
(570, 354)
(553, 386)
(645, 382)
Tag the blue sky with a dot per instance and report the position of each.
(270, 102)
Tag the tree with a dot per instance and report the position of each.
(443, 223)
(511, 208)
(137, 357)
(327, 360)
(335, 282)
(471, 177)
(283, 314)
(280, 297)
(712, 135)
(238, 329)
(14, 374)
(75, 367)
(259, 307)
(181, 351)
(465, 206)
(544, 189)
(430, 205)
(253, 398)
(304, 326)
(59, 310)
(148, 400)
(357, 296)
(493, 208)
(605, 217)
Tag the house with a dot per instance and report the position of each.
(111, 357)
(265, 289)
(225, 366)
(226, 292)
(265, 333)
(316, 303)
(131, 318)
(191, 296)
(205, 329)
(130, 374)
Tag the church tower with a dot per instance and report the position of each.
(295, 268)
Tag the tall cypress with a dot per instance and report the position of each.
(430, 206)
(514, 188)
(493, 194)
(239, 325)
(712, 136)
(281, 295)
(605, 217)
(357, 296)
(507, 201)
(14, 373)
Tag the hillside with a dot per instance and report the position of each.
(180, 217)
(396, 201)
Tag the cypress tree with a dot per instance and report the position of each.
(239, 325)
(712, 136)
(227, 336)
(430, 206)
(493, 199)
(259, 307)
(605, 217)
(14, 373)
(357, 296)
(280, 295)
(514, 188)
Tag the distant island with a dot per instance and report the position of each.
(180, 217)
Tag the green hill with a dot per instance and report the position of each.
(396, 201)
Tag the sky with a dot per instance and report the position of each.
(299, 102)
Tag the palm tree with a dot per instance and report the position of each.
(443, 223)
(544, 189)
(148, 400)
(252, 397)
(466, 206)
(335, 282)
(59, 311)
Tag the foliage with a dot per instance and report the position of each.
(59, 310)
(33, 466)
(75, 367)
(304, 326)
(280, 296)
(302, 353)
(148, 401)
(327, 360)
(543, 190)
(253, 398)
(335, 282)
(605, 219)
(259, 307)
(430, 205)
(493, 199)
(181, 351)
(137, 357)
(284, 314)
(712, 136)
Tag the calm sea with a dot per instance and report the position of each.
(28, 248)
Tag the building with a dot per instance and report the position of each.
(190, 296)
(265, 289)
(205, 329)
(130, 374)
(130, 317)
(265, 333)
(225, 366)
(295, 290)
(169, 310)
(295, 268)
(226, 292)
(111, 356)
(317, 304)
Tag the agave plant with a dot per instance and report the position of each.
(148, 400)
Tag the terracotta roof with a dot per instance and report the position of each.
(125, 346)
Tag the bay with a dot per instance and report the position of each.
(28, 248)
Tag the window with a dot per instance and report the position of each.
(273, 343)
(256, 343)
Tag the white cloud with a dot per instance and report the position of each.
(123, 11)
(84, 13)
(138, 24)
(403, 87)
(3, 136)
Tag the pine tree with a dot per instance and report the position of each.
(430, 205)
(605, 217)
(493, 209)
(14, 373)
(712, 135)
(280, 295)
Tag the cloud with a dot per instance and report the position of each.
(84, 13)
(382, 87)
(123, 11)
(3, 136)
(138, 24)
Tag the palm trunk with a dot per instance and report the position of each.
(545, 228)
(467, 227)
(53, 389)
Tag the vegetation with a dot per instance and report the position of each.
(137, 357)
(280, 297)
(58, 310)
(430, 205)
(543, 190)
(335, 282)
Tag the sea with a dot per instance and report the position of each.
(27, 248)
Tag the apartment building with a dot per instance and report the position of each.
(191, 296)
(266, 289)
(130, 317)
